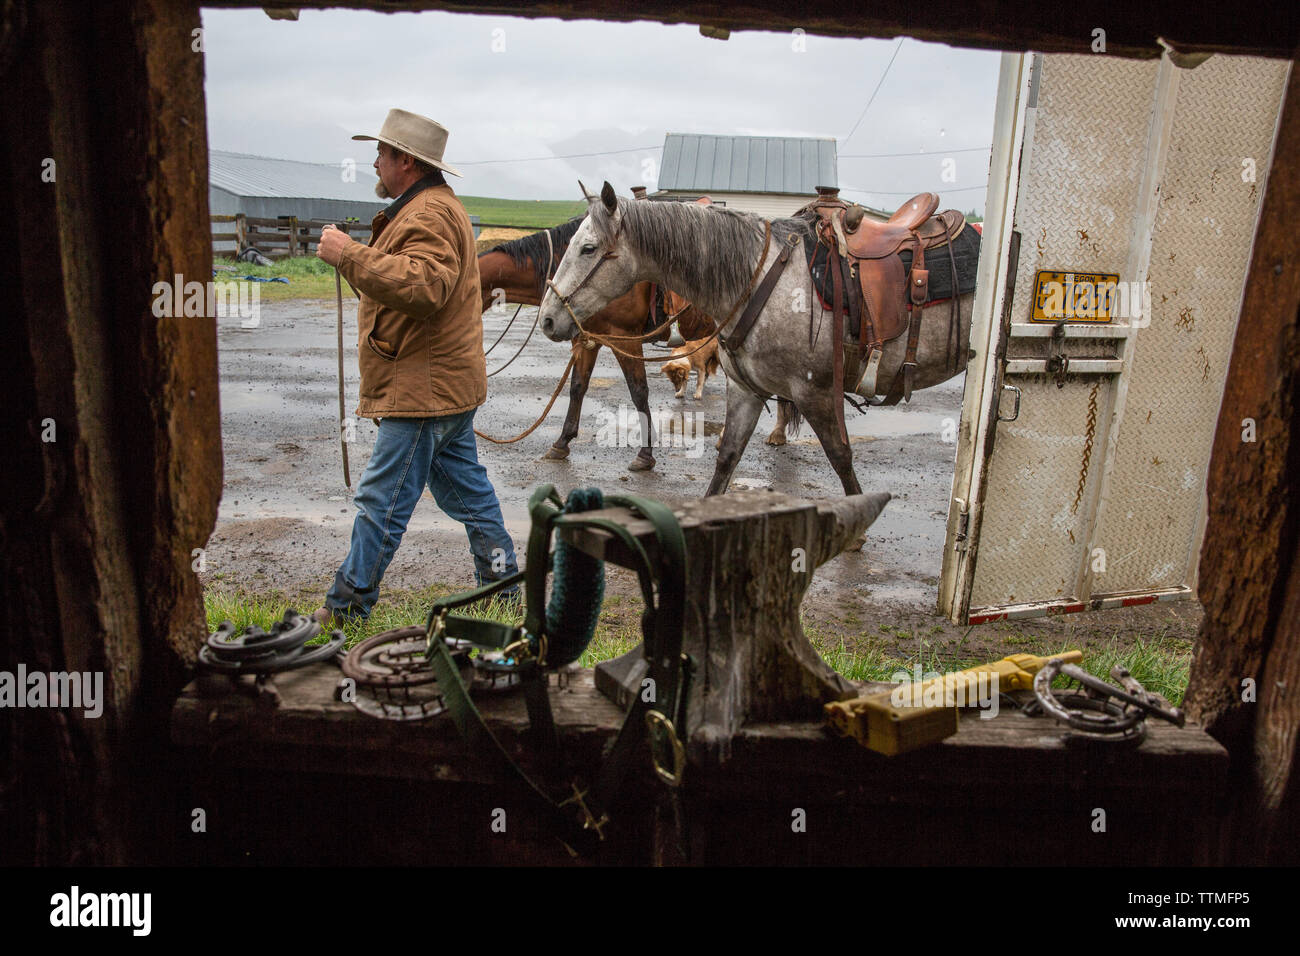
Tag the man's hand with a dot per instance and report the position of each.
(330, 247)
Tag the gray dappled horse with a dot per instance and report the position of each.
(709, 255)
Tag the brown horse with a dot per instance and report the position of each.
(519, 269)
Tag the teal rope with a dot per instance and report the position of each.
(577, 590)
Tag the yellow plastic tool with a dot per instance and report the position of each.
(921, 713)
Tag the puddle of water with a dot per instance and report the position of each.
(244, 399)
(895, 423)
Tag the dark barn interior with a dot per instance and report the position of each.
(98, 527)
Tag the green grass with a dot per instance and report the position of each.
(523, 213)
(397, 609)
(1161, 664)
(309, 278)
(615, 634)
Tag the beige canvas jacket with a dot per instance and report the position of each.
(420, 324)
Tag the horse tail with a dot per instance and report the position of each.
(711, 364)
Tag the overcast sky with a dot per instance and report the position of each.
(516, 92)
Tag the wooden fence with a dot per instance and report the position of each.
(279, 237)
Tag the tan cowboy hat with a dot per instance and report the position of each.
(415, 134)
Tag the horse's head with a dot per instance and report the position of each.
(598, 267)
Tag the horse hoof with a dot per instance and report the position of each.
(776, 438)
(641, 464)
(555, 454)
(856, 544)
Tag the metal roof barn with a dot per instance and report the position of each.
(267, 188)
(264, 187)
(768, 175)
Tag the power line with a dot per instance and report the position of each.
(875, 91)
(941, 152)
(538, 159)
(641, 149)
(886, 192)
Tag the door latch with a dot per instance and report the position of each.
(963, 525)
(1057, 361)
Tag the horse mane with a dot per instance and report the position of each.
(532, 248)
(696, 246)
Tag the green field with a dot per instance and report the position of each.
(309, 278)
(523, 213)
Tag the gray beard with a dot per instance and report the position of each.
(381, 191)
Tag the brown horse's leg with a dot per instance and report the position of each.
(821, 416)
(743, 409)
(584, 362)
(634, 373)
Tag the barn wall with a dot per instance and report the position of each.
(1131, 30)
(771, 205)
(222, 202)
(271, 207)
(1246, 665)
(98, 524)
(97, 527)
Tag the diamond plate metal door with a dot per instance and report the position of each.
(1091, 494)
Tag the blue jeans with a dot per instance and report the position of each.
(410, 453)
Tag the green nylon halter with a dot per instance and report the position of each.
(658, 716)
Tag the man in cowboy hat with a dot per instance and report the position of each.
(420, 340)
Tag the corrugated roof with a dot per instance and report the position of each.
(246, 175)
(747, 164)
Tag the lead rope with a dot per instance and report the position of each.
(550, 262)
(564, 377)
(343, 434)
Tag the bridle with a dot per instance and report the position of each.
(592, 340)
(550, 256)
(564, 299)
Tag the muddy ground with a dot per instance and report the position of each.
(285, 515)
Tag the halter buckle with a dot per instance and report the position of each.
(655, 721)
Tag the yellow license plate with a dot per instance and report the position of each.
(1074, 296)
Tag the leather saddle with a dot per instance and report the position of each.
(877, 296)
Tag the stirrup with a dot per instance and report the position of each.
(866, 384)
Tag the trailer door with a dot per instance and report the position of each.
(1120, 216)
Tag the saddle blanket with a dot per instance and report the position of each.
(965, 249)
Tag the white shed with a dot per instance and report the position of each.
(768, 175)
